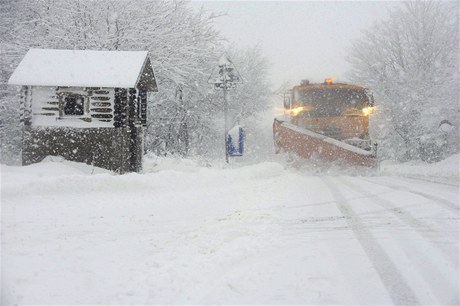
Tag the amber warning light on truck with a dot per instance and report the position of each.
(328, 81)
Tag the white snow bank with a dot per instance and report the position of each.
(261, 171)
(154, 163)
(445, 169)
(53, 166)
(47, 175)
(187, 234)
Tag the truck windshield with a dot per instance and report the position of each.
(330, 102)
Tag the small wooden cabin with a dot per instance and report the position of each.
(86, 106)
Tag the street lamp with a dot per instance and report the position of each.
(225, 77)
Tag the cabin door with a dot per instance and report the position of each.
(136, 138)
(135, 149)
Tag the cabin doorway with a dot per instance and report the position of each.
(135, 148)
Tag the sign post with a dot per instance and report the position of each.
(225, 77)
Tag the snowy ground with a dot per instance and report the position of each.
(283, 231)
(265, 233)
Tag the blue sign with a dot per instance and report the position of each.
(235, 141)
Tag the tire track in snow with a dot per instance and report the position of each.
(416, 178)
(422, 228)
(394, 282)
(434, 273)
(445, 203)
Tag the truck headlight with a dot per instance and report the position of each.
(296, 111)
(367, 111)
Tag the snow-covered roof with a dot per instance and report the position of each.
(84, 68)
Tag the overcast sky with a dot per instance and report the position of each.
(302, 39)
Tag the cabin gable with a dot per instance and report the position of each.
(147, 81)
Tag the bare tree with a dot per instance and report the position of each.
(184, 48)
(251, 97)
(410, 60)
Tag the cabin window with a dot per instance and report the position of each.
(73, 105)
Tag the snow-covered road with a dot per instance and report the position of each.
(255, 234)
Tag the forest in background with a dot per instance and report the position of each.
(184, 47)
(409, 60)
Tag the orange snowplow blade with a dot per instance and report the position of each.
(306, 144)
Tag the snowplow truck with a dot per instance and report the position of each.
(328, 121)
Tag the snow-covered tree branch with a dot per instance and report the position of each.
(411, 61)
(184, 47)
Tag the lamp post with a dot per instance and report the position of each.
(226, 78)
(224, 88)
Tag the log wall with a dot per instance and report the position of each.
(106, 148)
